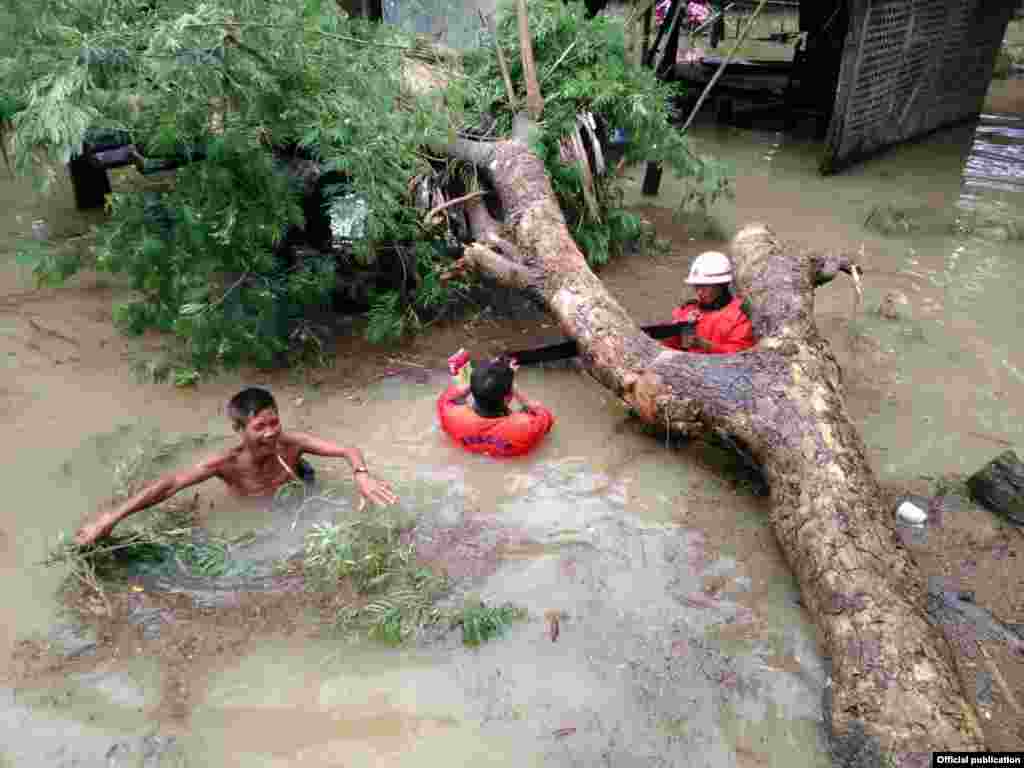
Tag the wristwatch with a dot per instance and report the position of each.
(359, 470)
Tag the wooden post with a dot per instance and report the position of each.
(668, 60)
(646, 38)
(652, 176)
(652, 180)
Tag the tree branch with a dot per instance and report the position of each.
(829, 264)
(534, 100)
(587, 177)
(492, 28)
(478, 153)
(330, 35)
(487, 230)
(560, 59)
(479, 257)
(721, 67)
(448, 204)
(481, 223)
(781, 286)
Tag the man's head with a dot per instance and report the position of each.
(253, 414)
(491, 385)
(710, 276)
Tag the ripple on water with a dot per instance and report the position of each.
(641, 673)
(652, 667)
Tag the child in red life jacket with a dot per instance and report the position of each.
(479, 416)
(722, 324)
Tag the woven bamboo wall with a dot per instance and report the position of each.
(910, 67)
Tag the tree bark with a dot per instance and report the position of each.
(534, 100)
(893, 688)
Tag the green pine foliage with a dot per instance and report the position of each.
(202, 259)
(232, 79)
(582, 65)
(481, 622)
(396, 595)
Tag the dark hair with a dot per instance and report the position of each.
(491, 383)
(247, 404)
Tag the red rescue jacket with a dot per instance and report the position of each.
(512, 435)
(727, 329)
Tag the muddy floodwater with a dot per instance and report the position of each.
(682, 640)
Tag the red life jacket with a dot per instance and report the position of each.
(512, 435)
(727, 329)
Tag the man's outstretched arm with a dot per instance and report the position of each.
(154, 493)
(371, 489)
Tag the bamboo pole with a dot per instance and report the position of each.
(492, 28)
(534, 100)
(724, 64)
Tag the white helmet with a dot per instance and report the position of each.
(710, 268)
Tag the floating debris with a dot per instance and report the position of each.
(911, 513)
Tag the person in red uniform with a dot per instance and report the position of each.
(480, 418)
(723, 326)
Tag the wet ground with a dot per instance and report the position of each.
(681, 634)
(665, 642)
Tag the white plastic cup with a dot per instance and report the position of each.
(911, 513)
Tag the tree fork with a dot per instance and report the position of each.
(893, 680)
(893, 687)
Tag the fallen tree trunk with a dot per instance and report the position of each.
(893, 688)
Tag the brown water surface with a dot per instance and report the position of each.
(682, 632)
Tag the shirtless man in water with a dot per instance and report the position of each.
(266, 459)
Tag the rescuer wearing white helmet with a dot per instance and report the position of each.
(721, 322)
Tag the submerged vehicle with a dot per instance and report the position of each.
(335, 214)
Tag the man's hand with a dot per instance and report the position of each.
(690, 340)
(375, 491)
(700, 343)
(95, 530)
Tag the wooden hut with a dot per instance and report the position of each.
(910, 67)
(874, 73)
